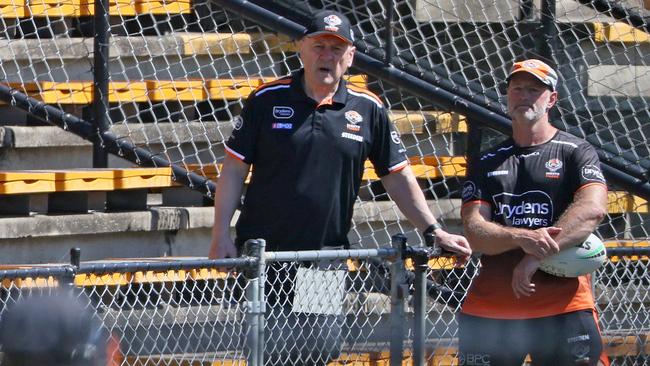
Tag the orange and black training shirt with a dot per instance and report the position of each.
(528, 187)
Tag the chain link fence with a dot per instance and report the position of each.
(179, 72)
(307, 308)
(320, 307)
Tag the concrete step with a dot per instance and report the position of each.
(499, 11)
(619, 81)
(194, 142)
(169, 231)
(190, 55)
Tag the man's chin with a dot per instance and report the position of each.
(327, 80)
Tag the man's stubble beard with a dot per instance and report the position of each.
(534, 114)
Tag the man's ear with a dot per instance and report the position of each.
(352, 56)
(552, 100)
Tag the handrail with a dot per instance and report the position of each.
(111, 142)
(619, 12)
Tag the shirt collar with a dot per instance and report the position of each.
(298, 90)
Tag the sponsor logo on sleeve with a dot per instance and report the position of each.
(237, 123)
(281, 126)
(394, 135)
(531, 209)
(281, 112)
(552, 166)
(592, 173)
(469, 191)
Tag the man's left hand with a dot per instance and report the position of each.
(456, 244)
(522, 276)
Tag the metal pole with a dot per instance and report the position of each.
(398, 293)
(419, 309)
(526, 12)
(101, 76)
(71, 271)
(547, 45)
(252, 249)
(389, 45)
(474, 139)
(261, 284)
(75, 257)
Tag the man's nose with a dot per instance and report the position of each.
(326, 53)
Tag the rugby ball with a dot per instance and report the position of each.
(579, 260)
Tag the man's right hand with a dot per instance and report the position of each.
(540, 243)
(224, 248)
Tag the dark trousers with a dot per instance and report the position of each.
(563, 340)
(296, 338)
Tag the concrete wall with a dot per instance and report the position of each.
(170, 231)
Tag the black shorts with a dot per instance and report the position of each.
(564, 340)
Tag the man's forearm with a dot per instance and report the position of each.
(226, 200)
(405, 192)
(227, 196)
(583, 216)
(490, 238)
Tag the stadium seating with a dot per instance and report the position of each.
(36, 199)
(76, 8)
(81, 92)
(22, 184)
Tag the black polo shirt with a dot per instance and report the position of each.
(308, 160)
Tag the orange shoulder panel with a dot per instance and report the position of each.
(274, 82)
(364, 91)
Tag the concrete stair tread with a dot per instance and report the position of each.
(173, 44)
(417, 123)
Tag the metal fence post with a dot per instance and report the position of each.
(101, 75)
(75, 262)
(546, 43)
(261, 301)
(254, 300)
(388, 37)
(398, 292)
(419, 309)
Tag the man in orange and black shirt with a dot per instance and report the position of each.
(528, 198)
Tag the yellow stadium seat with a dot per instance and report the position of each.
(619, 32)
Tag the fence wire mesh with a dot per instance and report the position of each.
(179, 72)
(317, 311)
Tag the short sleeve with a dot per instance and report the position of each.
(242, 141)
(587, 165)
(387, 153)
(474, 186)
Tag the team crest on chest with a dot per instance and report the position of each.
(354, 119)
(552, 166)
